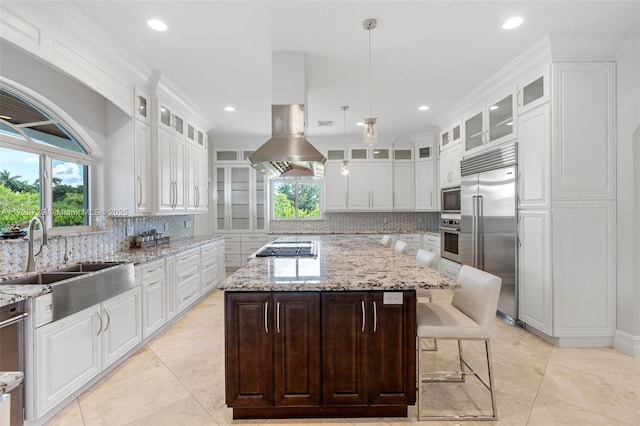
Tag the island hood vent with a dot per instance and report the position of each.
(288, 153)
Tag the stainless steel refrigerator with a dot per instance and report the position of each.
(488, 239)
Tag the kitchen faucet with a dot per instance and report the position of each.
(31, 262)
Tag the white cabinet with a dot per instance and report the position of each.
(431, 243)
(371, 186)
(451, 136)
(335, 187)
(425, 194)
(170, 162)
(584, 269)
(168, 119)
(403, 186)
(533, 89)
(196, 174)
(187, 278)
(143, 168)
(449, 269)
(584, 131)
(73, 350)
(450, 166)
(534, 158)
(492, 124)
(142, 106)
(239, 196)
(209, 276)
(153, 282)
(170, 286)
(535, 284)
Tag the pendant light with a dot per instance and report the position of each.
(370, 128)
(344, 170)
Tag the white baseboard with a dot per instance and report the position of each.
(573, 341)
(627, 343)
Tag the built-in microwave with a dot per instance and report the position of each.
(450, 200)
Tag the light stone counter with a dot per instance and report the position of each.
(16, 293)
(10, 380)
(344, 263)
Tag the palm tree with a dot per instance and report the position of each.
(13, 183)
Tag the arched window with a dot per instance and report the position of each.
(44, 167)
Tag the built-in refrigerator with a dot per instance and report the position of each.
(488, 222)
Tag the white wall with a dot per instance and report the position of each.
(628, 204)
(82, 104)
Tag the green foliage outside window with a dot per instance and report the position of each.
(293, 200)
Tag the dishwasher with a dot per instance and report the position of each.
(12, 353)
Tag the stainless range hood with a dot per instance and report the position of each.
(288, 153)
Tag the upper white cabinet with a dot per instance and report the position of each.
(335, 187)
(584, 132)
(403, 186)
(533, 89)
(452, 135)
(196, 166)
(142, 106)
(425, 188)
(239, 198)
(170, 156)
(534, 158)
(143, 168)
(196, 136)
(171, 120)
(492, 124)
(370, 186)
(450, 166)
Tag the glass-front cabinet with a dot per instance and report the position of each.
(493, 124)
(533, 90)
(450, 136)
(239, 198)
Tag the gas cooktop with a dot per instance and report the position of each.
(289, 249)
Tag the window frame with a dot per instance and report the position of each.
(47, 154)
(272, 194)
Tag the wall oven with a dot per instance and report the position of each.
(450, 200)
(450, 239)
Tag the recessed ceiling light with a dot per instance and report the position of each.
(493, 107)
(157, 25)
(512, 23)
(423, 107)
(5, 117)
(360, 123)
(229, 108)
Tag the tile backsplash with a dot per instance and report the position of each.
(361, 222)
(110, 237)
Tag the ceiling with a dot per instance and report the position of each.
(423, 52)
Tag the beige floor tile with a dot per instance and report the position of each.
(131, 399)
(68, 416)
(142, 361)
(188, 339)
(549, 410)
(186, 412)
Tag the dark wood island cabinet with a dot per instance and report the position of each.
(327, 336)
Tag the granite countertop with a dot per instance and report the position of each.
(343, 264)
(410, 231)
(10, 380)
(16, 293)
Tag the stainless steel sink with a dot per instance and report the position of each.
(79, 286)
(87, 267)
(42, 278)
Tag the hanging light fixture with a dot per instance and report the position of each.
(344, 170)
(370, 128)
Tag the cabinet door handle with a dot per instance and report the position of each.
(108, 320)
(431, 198)
(375, 317)
(99, 328)
(266, 310)
(278, 317)
(139, 191)
(518, 98)
(364, 317)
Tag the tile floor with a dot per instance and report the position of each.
(178, 379)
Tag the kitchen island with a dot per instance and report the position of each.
(326, 336)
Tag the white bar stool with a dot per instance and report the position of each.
(428, 259)
(470, 316)
(401, 247)
(386, 241)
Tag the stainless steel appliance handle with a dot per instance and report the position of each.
(266, 310)
(13, 320)
(278, 317)
(473, 231)
(481, 232)
(375, 317)
(364, 316)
